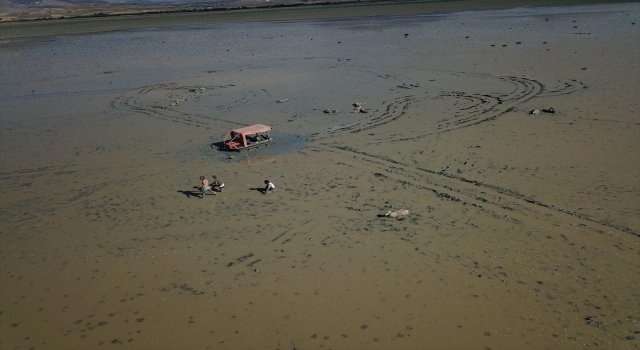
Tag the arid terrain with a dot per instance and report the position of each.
(523, 231)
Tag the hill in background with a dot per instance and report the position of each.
(20, 10)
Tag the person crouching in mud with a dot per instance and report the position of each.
(205, 186)
(216, 184)
(269, 187)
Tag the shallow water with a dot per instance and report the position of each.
(523, 231)
(282, 144)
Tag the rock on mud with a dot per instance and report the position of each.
(397, 213)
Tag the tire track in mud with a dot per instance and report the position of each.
(566, 87)
(395, 110)
(481, 107)
(390, 114)
(489, 107)
(457, 188)
(296, 231)
(132, 101)
(468, 116)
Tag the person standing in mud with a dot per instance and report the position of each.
(215, 182)
(269, 187)
(205, 186)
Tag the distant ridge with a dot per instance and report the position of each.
(28, 10)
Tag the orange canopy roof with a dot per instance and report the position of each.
(253, 129)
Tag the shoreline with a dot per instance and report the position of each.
(108, 23)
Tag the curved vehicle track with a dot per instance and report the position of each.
(470, 192)
(163, 106)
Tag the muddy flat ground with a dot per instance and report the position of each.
(523, 230)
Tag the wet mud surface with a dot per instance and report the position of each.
(523, 230)
(281, 144)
